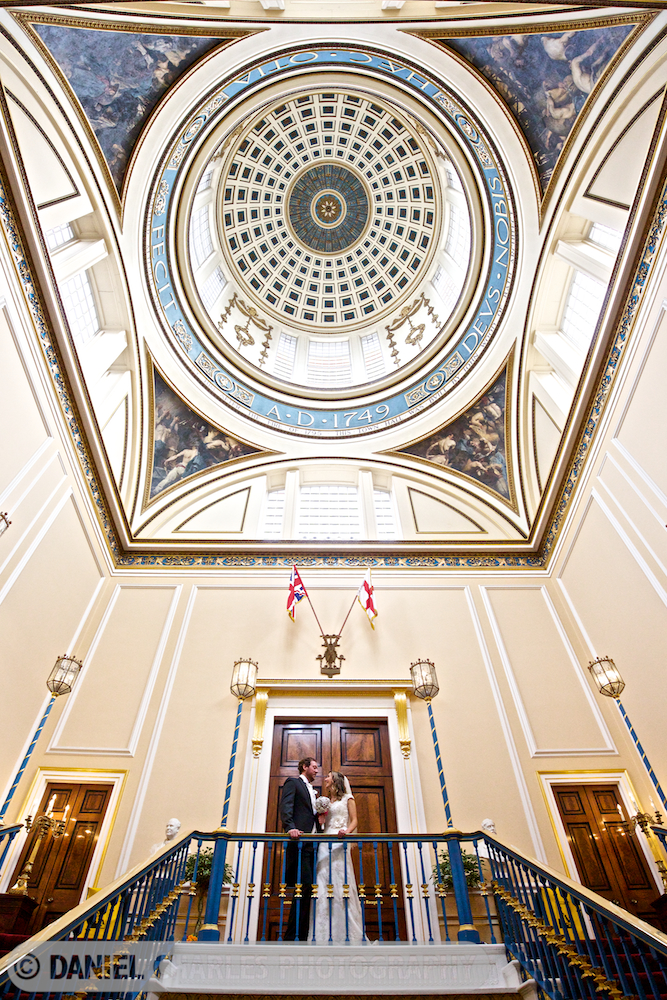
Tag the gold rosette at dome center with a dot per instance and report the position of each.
(330, 210)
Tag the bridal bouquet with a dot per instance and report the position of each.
(322, 804)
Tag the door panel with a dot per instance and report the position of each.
(621, 841)
(606, 850)
(370, 808)
(587, 856)
(62, 863)
(628, 858)
(293, 741)
(75, 864)
(295, 745)
(94, 801)
(359, 748)
(361, 751)
(605, 800)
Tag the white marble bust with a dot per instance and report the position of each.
(174, 825)
(488, 826)
(170, 833)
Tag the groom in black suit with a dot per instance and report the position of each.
(297, 812)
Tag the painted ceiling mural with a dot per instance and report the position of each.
(184, 443)
(544, 79)
(474, 443)
(119, 77)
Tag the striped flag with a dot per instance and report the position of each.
(297, 592)
(365, 598)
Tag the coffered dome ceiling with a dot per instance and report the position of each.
(424, 237)
(343, 270)
(354, 179)
(328, 212)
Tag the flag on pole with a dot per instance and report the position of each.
(365, 598)
(297, 592)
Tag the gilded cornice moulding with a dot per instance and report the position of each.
(337, 685)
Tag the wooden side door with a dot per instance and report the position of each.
(605, 847)
(361, 751)
(61, 864)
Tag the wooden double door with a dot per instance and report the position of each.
(61, 864)
(360, 749)
(606, 849)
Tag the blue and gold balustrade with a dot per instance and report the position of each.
(573, 943)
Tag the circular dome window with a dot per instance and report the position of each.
(331, 213)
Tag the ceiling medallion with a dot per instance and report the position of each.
(328, 208)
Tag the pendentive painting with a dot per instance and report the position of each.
(545, 79)
(184, 443)
(119, 77)
(473, 443)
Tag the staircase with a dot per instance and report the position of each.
(533, 933)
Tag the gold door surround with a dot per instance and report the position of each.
(400, 689)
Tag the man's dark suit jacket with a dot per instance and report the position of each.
(296, 813)
(296, 807)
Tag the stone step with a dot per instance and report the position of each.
(339, 996)
(371, 970)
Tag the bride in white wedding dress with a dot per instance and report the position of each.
(334, 920)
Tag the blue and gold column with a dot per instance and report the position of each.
(425, 686)
(438, 760)
(60, 681)
(642, 753)
(232, 762)
(243, 685)
(609, 682)
(24, 762)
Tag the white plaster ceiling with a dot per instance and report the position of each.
(393, 429)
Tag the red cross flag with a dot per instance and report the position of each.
(365, 598)
(297, 592)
